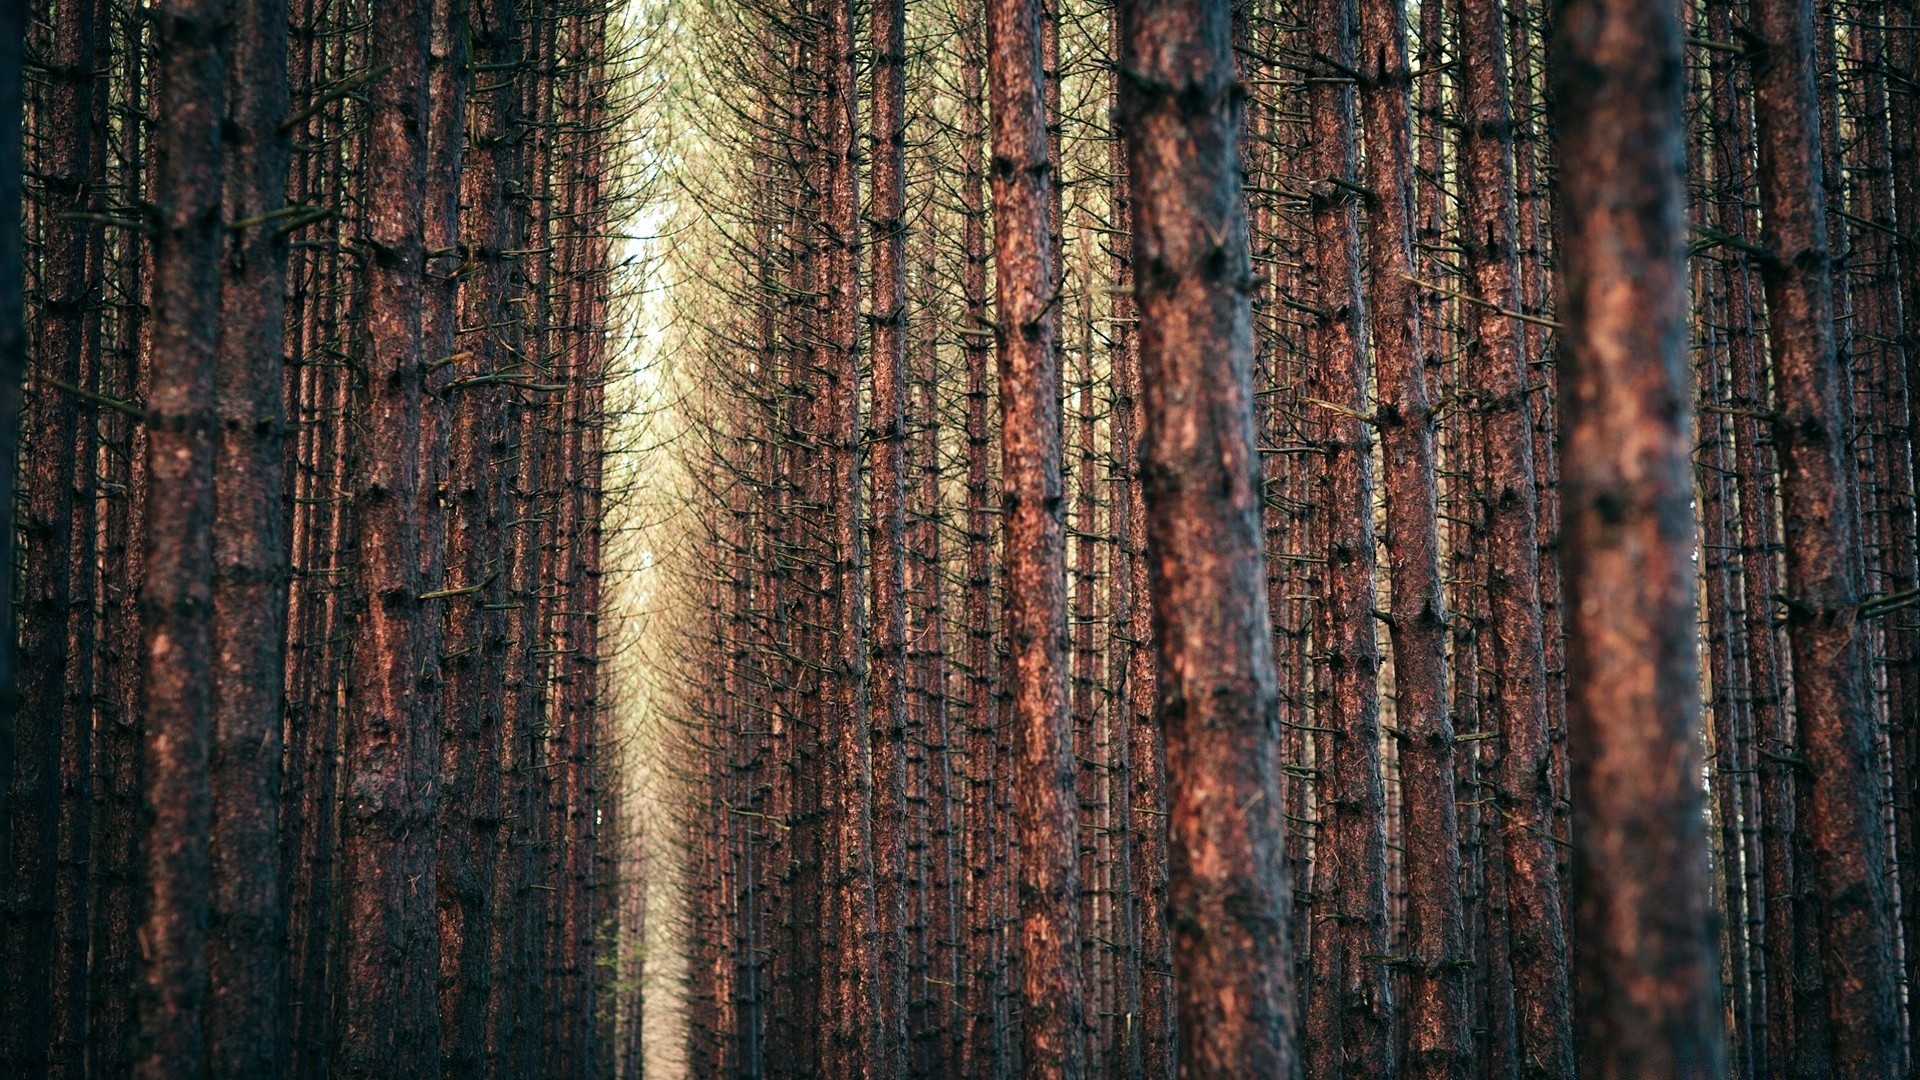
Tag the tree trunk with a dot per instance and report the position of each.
(1648, 977)
(246, 1016)
(1811, 433)
(390, 961)
(1201, 476)
(886, 215)
(1051, 995)
(191, 41)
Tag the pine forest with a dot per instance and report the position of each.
(959, 539)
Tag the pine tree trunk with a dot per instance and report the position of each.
(1811, 433)
(246, 1017)
(1051, 993)
(175, 601)
(1202, 481)
(390, 960)
(888, 437)
(1648, 976)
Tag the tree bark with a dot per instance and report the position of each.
(1201, 475)
(1051, 993)
(191, 44)
(887, 434)
(51, 730)
(390, 949)
(1648, 977)
(1348, 868)
(1811, 432)
(247, 1009)
(473, 657)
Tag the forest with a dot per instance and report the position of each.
(959, 538)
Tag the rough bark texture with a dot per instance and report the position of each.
(246, 1013)
(1811, 432)
(389, 961)
(1416, 615)
(51, 729)
(1648, 977)
(1497, 358)
(887, 434)
(1026, 310)
(1349, 882)
(1201, 474)
(473, 658)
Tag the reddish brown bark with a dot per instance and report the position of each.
(1349, 879)
(887, 434)
(389, 947)
(1201, 476)
(984, 965)
(1648, 978)
(1811, 432)
(1497, 357)
(473, 651)
(1051, 992)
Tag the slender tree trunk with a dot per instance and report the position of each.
(1496, 353)
(247, 1010)
(1348, 866)
(1811, 433)
(475, 643)
(888, 436)
(985, 950)
(1201, 473)
(175, 602)
(390, 949)
(13, 370)
(1648, 976)
(1051, 992)
(51, 731)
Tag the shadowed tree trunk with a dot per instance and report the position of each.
(51, 734)
(1648, 977)
(13, 370)
(246, 1015)
(1201, 473)
(475, 644)
(191, 41)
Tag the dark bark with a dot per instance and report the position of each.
(51, 730)
(1201, 475)
(389, 959)
(474, 646)
(1647, 974)
(246, 1013)
(13, 370)
(176, 609)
